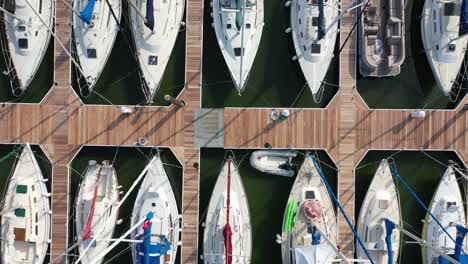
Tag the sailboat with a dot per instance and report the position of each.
(160, 232)
(382, 38)
(309, 215)
(381, 202)
(25, 39)
(154, 37)
(447, 207)
(94, 32)
(228, 234)
(96, 209)
(314, 31)
(238, 26)
(25, 221)
(444, 30)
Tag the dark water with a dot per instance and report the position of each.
(129, 162)
(274, 80)
(8, 165)
(267, 195)
(422, 173)
(415, 87)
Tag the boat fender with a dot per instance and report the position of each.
(288, 30)
(287, 4)
(294, 58)
(119, 221)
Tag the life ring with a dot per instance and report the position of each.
(142, 141)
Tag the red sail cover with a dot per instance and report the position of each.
(87, 231)
(227, 229)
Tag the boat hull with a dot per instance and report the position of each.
(94, 42)
(213, 237)
(295, 235)
(381, 201)
(448, 192)
(156, 195)
(25, 45)
(154, 48)
(445, 64)
(25, 230)
(105, 212)
(228, 26)
(314, 55)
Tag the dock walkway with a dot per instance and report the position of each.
(346, 129)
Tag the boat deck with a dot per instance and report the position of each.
(347, 129)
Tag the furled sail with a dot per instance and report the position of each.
(149, 14)
(87, 12)
(464, 18)
(321, 20)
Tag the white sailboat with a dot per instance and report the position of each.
(381, 202)
(96, 210)
(314, 34)
(154, 38)
(309, 208)
(445, 40)
(94, 32)
(25, 39)
(238, 25)
(228, 234)
(447, 207)
(275, 162)
(25, 222)
(155, 197)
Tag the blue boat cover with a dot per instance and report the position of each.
(462, 258)
(149, 15)
(148, 253)
(321, 20)
(389, 226)
(464, 18)
(315, 236)
(87, 13)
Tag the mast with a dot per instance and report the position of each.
(242, 44)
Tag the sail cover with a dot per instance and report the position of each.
(147, 252)
(314, 254)
(149, 15)
(87, 12)
(321, 20)
(389, 226)
(464, 18)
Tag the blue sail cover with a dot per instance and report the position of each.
(149, 14)
(321, 20)
(148, 253)
(315, 236)
(87, 12)
(462, 258)
(464, 18)
(389, 226)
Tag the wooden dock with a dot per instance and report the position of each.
(346, 129)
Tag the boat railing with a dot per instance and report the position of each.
(10, 68)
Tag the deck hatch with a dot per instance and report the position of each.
(153, 60)
(92, 54)
(20, 212)
(449, 9)
(237, 51)
(315, 48)
(23, 43)
(21, 188)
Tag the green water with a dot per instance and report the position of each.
(39, 86)
(267, 195)
(129, 162)
(421, 173)
(119, 82)
(415, 87)
(7, 166)
(274, 80)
